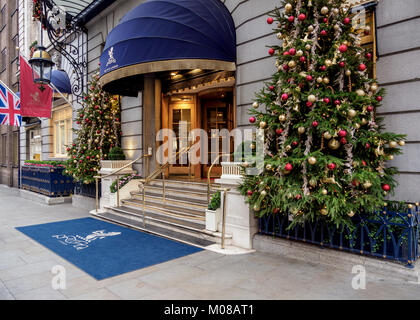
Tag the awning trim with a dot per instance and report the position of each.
(166, 65)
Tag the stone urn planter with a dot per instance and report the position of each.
(214, 213)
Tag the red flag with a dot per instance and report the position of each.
(34, 102)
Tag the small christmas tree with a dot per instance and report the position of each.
(325, 152)
(100, 131)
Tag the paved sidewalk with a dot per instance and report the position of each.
(25, 270)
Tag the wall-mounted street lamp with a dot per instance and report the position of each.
(41, 64)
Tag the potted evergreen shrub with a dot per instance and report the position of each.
(214, 212)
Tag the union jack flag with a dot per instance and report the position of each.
(10, 113)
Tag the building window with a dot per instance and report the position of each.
(62, 133)
(364, 21)
(3, 60)
(3, 149)
(3, 17)
(15, 47)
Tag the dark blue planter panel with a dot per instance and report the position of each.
(46, 180)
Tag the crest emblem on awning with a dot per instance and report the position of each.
(111, 58)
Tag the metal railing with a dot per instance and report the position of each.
(116, 173)
(224, 190)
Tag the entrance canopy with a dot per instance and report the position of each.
(167, 35)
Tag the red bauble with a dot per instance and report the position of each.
(342, 133)
(386, 187)
(379, 98)
(292, 51)
(337, 102)
(367, 145)
(362, 67)
(271, 88)
(279, 131)
(284, 96)
(276, 210)
(87, 157)
(309, 104)
(252, 119)
(369, 108)
(346, 20)
(285, 67)
(302, 59)
(286, 53)
(342, 48)
(325, 20)
(270, 20)
(342, 64)
(291, 18)
(323, 33)
(315, 124)
(364, 162)
(249, 193)
(302, 17)
(271, 51)
(298, 197)
(343, 141)
(323, 68)
(368, 55)
(294, 144)
(326, 100)
(309, 78)
(288, 167)
(355, 183)
(331, 166)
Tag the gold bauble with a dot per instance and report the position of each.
(288, 7)
(279, 35)
(410, 206)
(352, 113)
(324, 192)
(334, 144)
(288, 148)
(350, 214)
(327, 135)
(393, 144)
(324, 212)
(308, 47)
(326, 80)
(313, 182)
(255, 105)
(390, 157)
(301, 130)
(324, 10)
(374, 87)
(401, 143)
(328, 63)
(360, 93)
(319, 79)
(311, 98)
(256, 208)
(336, 11)
(336, 27)
(357, 126)
(291, 64)
(311, 29)
(263, 124)
(299, 53)
(268, 167)
(312, 160)
(348, 72)
(282, 117)
(364, 121)
(367, 185)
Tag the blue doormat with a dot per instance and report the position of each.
(104, 250)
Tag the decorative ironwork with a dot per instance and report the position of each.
(387, 234)
(68, 38)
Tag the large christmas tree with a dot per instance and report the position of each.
(100, 130)
(325, 150)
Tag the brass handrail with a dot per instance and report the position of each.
(209, 173)
(113, 173)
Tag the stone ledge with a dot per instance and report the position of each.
(335, 258)
(84, 203)
(40, 198)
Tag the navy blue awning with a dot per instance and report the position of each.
(61, 81)
(165, 35)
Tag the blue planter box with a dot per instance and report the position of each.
(87, 190)
(387, 235)
(46, 180)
